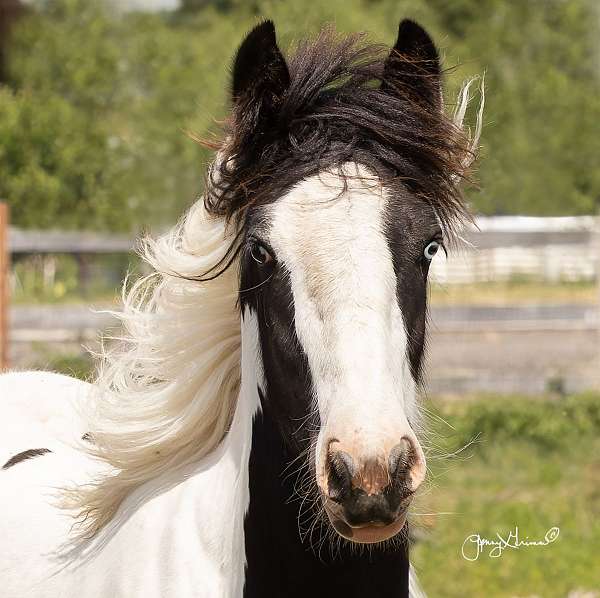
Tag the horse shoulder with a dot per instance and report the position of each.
(176, 537)
(39, 408)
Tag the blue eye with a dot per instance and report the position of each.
(431, 250)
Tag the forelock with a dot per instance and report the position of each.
(335, 111)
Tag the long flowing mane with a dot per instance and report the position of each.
(165, 394)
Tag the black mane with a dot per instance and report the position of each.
(335, 109)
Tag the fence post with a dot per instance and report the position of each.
(4, 272)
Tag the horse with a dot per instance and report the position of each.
(255, 430)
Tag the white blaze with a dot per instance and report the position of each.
(332, 241)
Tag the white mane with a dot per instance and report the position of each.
(166, 394)
(458, 117)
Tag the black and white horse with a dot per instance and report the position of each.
(258, 424)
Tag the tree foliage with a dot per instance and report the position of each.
(93, 122)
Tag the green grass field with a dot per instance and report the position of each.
(534, 464)
(515, 292)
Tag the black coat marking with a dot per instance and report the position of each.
(414, 65)
(279, 563)
(28, 454)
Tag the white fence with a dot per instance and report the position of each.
(496, 248)
(503, 248)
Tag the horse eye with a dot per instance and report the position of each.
(431, 250)
(260, 254)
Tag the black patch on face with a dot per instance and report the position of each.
(411, 224)
(288, 398)
(28, 454)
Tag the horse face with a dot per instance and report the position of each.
(336, 273)
(334, 264)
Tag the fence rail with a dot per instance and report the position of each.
(505, 247)
(492, 249)
(35, 241)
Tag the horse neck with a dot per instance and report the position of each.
(282, 563)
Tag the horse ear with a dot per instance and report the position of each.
(260, 73)
(414, 64)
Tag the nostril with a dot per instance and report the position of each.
(401, 462)
(341, 470)
(398, 461)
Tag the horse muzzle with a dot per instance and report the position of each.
(367, 499)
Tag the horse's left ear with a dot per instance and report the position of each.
(260, 73)
(414, 65)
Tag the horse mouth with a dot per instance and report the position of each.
(368, 533)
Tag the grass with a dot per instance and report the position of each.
(58, 278)
(534, 464)
(104, 297)
(516, 292)
(485, 294)
(78, 365)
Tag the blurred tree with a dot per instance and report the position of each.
(93, 121)
(190, 6)
(10, 11)
(56, 159)
(92, 126)
(541, 141)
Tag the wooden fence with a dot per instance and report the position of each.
(18, 243)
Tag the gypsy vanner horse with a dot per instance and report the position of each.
(255, 430)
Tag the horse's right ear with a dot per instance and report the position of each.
(260, 73)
